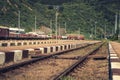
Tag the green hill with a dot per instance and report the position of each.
(78, 14)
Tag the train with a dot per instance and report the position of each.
(15, 33)
(19, 34)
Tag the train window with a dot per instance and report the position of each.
(41, 42)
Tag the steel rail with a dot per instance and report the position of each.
(72, 67)
(17, 65)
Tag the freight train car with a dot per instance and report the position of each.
(4, 32)
(15, 33)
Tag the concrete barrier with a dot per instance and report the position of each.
(49, 50)
(67, 46)
(0, 44)
(37, 51)
(14, 55)
(59, 48)
(45, 50)
(54, 48)
(42, 50)
(63, 47)
(73, 46)
(31, 51)
(2, 58)
(78, 45)
(17, 55)
(9, 56)
(4, 44)
(25, 54)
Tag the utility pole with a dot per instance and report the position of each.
(105, 32)
(95, 29)
(91, 34)
(59, 29)
(116, 20)
(56, 18)
(65, 28)
(18, 24)
(35, 23)
(79, 30)
(51, 26)
(118, 24)
(19, 21)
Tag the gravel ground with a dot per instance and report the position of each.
(92, 69)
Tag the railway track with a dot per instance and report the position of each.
(86, 69)
(52, 63)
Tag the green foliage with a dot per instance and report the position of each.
(83, 14)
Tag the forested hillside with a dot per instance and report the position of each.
(83, 15)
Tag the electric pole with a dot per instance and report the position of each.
(116, 20)
(95, 29)
(56, 18)
(19, 21)
(51, 26)
(59, 29)
(79, 30)
(35, 24)
(65, 28)
(105, 31)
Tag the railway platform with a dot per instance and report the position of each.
(17, 53)
(114, 49)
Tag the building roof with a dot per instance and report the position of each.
(17, 29)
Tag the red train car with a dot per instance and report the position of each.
(80, 37)
(4, 32)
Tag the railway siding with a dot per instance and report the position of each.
(115, 63)
(49, 66)
(18, 55)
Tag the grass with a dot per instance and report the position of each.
(67, 78)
